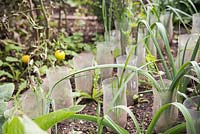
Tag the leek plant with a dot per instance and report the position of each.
(157, 7)
(182, 71)
(161, 6)
(118, 12)
(170, 70)
(122, 11)
(193, 103)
